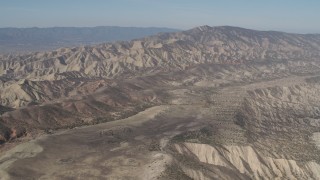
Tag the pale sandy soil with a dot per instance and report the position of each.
(74, 149)
(316, 139)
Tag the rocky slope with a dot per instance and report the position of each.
(280, 125)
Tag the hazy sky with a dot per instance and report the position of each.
(301, 16)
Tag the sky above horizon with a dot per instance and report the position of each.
(299, 16)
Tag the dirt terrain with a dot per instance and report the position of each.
(188, 137)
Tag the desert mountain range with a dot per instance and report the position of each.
(206, 103)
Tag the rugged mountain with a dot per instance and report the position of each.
(172, 51)
(207, 103)
(40, 39)
(219, 45)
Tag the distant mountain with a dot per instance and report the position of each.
(40, 39)
(178, 50)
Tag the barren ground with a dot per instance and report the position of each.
(140, 147)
